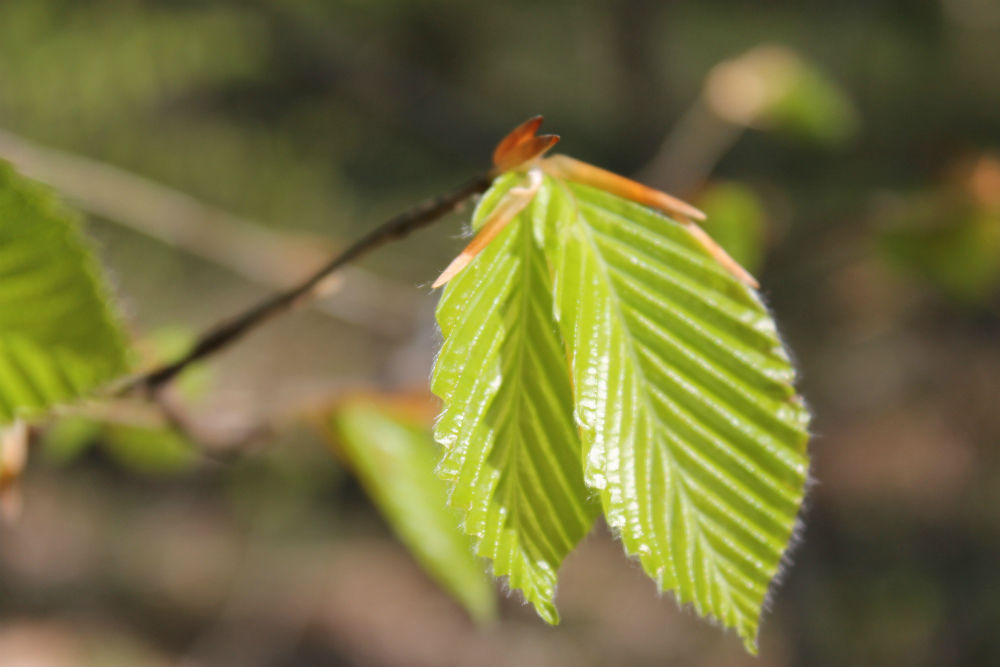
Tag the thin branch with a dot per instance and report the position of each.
(234, 328)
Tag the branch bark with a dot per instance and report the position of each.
(234, 328)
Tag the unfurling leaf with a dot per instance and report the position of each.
(597, 341)
(394, 458)
(59, 338)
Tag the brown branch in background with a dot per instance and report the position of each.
(247, 248)
(691, 150)
(231, 330)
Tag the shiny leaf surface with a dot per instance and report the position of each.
(693, 433)
(512, 452)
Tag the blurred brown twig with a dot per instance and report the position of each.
(228, 331)
(247, 248)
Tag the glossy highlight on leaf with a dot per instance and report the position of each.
(681, 398)
(692, 430)
(59, 338)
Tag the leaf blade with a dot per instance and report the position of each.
(693, 433)
(512, 451)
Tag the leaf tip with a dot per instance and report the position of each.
(749, 633)
(547, 612)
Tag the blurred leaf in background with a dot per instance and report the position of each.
(394, 456)
(144, 448)
(68, 438)
(149, 450)
(775, 88)
(950, 237)
(60, 336)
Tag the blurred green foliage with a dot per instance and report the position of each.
(69, 437)
(812, 107)
(736, 221)
(60, 336)
(394, 456)
(772, 87)
(950, 237)
(961, 255)
(149, 450)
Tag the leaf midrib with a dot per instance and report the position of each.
(668, 454)
(518, 405)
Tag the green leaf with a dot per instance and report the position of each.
(512, 452)
(394, 459)
(692, 431)
(58, 336)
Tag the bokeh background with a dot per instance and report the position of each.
(848, 151)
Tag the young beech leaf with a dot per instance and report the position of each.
(512, 452)
(626, 340)
(692, 430)
(394, 458)
(59, 338)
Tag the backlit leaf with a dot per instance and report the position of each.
(512, 452)
(692, 431)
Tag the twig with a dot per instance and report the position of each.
(228, 331)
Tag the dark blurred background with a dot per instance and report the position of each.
(848, 152)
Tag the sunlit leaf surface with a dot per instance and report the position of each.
(692, 430)
(58, 336)
(512, 453)
(394, 458)
(681, 399)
